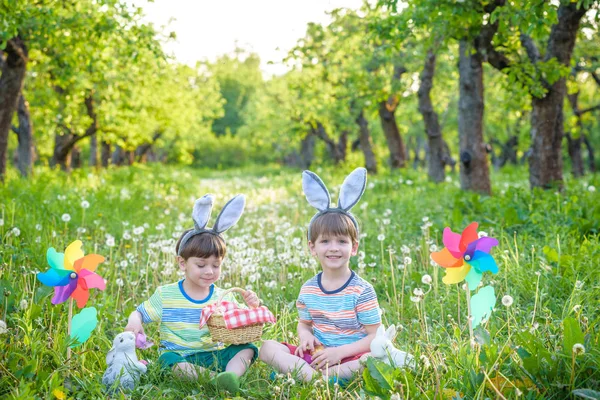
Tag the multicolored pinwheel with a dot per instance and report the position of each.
(466, 256)
(72, 274)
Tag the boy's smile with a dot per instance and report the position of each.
(333, 252)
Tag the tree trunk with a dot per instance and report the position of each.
(474, 169)
(591, 159)
(63, 144)
(387, 110)
(545, 163)
(307, 150)
(141, 151)
(75, 156)
(105, 154)
(366, 144)
(338, 150)
(117, 156)
(11, 84)
(574, 144)
(94, 150)
(26, 148)
(436, 156)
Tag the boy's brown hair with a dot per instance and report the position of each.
(333, 224)
(203, 245)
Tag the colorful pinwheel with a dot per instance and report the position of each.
(72, 274)
(466, 256)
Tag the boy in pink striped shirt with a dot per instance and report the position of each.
(338, 310)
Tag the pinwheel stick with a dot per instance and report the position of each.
(469, 315)
(70, 317)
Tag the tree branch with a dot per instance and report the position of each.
(587, 110)
(532, 51)
(14, 129)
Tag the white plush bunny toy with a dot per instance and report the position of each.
(123, 363)
(383, 349)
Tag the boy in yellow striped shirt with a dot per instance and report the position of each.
(178, 306)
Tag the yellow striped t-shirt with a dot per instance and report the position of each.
(179, 317)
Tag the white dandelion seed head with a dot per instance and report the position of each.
(85, 204)
(66, 217)
(507, 301)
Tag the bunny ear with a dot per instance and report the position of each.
(391, 332)
(202, 209)
(380, 330)
(352, 189)
(315, 191)
(230, 214)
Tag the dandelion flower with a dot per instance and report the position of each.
(578, 349)
(119, 281)
(507, 301)
(381, 237)
(1, 222)
(16, 231)
(66, 217)
(85, 204)
(426, 279)
(23, 304)
(38, 227)
(591, 188)
(3, 328)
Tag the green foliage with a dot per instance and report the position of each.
(528, 345)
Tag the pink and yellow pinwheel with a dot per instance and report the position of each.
(72, 274)
(466, 256)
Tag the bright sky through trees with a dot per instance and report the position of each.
(206, 28)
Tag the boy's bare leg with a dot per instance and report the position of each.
(240, 362)
(345, 370)
(279, 357)
(188, 370)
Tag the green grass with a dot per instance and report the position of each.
(548, 256)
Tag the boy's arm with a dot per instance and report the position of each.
(308, 341)
(333, 355)
(134, 323)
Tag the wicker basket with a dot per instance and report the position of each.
(241, 335)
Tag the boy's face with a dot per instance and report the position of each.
(333, 252)
(202, 272)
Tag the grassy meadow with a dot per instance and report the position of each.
(549, 259)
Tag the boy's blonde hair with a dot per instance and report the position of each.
(333, 224)
(203, 245)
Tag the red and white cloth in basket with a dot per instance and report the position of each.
(235, 317)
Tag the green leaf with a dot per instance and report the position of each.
(572, 335)
(551, 254)
(381, 372)
(586, 394)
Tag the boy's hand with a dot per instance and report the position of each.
(134, 323)
(251, 299)
(308, 342)
(328, 357)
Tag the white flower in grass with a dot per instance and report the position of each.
(16, 231)
(578, 285)
(482, 234)
(407, 260)
(126, 235)
(66, 217)
(381, 237)
(1, 222)
(138, 230)
(426, 279)
(85, 204)
(507, 301)
(110, 240)
(578, 349)
(38, 227)
(3, 328)
(418, 292)
(38, 239)
(591, 188)
(146, 208)
(123, 264)
(81, 230)
(23, 304)
(119, 282)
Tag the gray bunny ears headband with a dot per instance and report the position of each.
(228, 217)
(350, 193)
